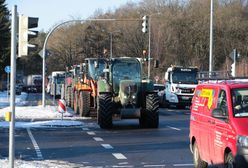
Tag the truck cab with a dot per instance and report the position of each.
(180, 85)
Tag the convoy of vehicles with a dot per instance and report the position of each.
(81, 86)
(56, 82)
(180, 85)
(123, 93)
(218, 124)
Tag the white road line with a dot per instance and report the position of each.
(97, 139)
(36, 147)
(182, 165)
(85, 129)
(119, 156)
(154, 165)
(126, 166)
(91, 133)
(174, 128)
(107, 146)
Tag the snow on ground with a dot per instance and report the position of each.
(37, 116)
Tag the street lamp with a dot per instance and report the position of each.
(111, 42)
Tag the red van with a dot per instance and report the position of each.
(219, 124)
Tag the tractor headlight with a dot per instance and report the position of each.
(242, 141)
(134, 97)
(125, 96)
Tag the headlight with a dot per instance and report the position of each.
(242, 141)
(134, 97)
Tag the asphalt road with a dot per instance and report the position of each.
(126, 145)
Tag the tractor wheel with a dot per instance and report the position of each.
(68, 96)
(75, 102)
(84, 103)
(150, 116)
(104, 111)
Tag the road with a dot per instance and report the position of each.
(126, 145)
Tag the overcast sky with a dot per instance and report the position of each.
(51, 12)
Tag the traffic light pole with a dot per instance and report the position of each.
(12, 87)
(149, 46)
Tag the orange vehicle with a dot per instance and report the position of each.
(85, 86)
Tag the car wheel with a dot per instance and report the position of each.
(229, 161)
(198, 162)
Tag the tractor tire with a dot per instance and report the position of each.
(68, 96)
(198, 162)
(75, 102)
(84, 104)
(72, 99)
(104, 111)
(150, 115)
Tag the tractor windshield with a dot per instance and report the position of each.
(125, 70)
(96, 72)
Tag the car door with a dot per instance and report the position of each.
(221, 126)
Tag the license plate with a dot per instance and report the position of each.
(185, 98)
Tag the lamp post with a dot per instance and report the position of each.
(211, 39)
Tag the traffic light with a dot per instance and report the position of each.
(145, 24)
(233, 69)
(25, 34)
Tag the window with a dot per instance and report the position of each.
(222, 102)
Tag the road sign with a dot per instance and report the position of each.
(7, 69)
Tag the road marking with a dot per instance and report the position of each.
(154, 165)
(91, 133)
(107, 146)
(182, 165)
(174, 128)
(85, 129)
(119, 156)
(36, 147)
(97, 139)
(123, 166)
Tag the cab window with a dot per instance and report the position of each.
(222, 102)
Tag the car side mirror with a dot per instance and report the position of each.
(219, 113)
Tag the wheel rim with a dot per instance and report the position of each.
(196, 155)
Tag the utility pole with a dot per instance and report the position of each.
(211, 39)
(12, 87)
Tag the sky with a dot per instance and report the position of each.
(52, 12)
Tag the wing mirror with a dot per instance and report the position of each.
(219, 113)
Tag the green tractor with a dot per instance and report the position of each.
(123, 92)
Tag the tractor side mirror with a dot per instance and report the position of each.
(156, 63)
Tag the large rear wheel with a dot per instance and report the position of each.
(75, 102)
(104, 111)
(84, 103)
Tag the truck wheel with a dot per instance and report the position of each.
(104, 111)
(198, 162)
(229, 161)
(75, 102)
(150, 116)
(84, 104)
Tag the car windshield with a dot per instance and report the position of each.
(184, 77)
(240, 102)
(96, 72)
(125, 70)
